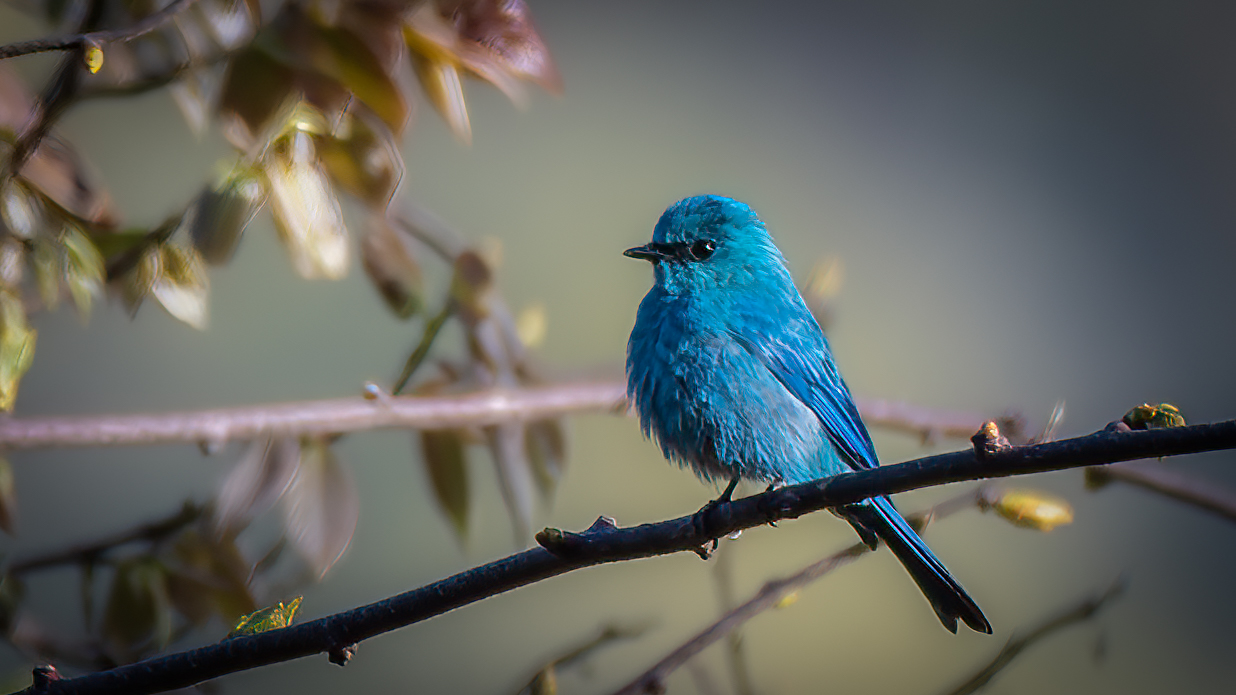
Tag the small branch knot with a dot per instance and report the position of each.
(44, 676)
(988, 442)
(340, 656)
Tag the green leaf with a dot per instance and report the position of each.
(209, 576)
(138, 615)
(322, 506)
(546, 446)
(472, 286)
(265, 619)
(444, 457)
(306, 212)
(83, 269)
(46, 258)
(255, 89)
(16, 347)
(12, 591)
(8, 497)
(350, 60)
(222, 212)
(362, 157)
(390, 265)
(443, 87)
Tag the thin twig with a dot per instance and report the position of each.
(773, 591)
(1082, 611)
(432, 327)
(323, 417)
(68, 43)
(563, 552)
(1161, 479)
(88, 552)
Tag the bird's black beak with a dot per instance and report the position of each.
(647, 252)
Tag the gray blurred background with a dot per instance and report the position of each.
(1032, 201)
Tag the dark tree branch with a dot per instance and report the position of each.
(1086, 609)
(69, 43)
(653, 680)
(1157, 477)
(563, 552)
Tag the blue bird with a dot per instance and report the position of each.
(732, 376)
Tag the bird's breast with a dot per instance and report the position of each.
(714, 406)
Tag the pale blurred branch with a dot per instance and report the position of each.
(769, 596)
(323, 417)
(1159, 478)
(341, 415)
(77, 41)
(604, 542)
(1086, 609)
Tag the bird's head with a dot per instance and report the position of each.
(709, 242)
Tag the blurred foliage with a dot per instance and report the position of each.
(1031, 509)
(315, 98)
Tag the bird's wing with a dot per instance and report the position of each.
(798, 356)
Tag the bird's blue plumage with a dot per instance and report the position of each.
(732, 376)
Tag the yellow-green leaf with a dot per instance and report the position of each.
(46, 259)
(306, 212)
(350, 60)
(532, 324)
(443, 454)
(1148, 417)
(83, 269)
(265, 619)
(363, 158)
(93, 57)
(1033, 509)
(442, 85)
(16, 347)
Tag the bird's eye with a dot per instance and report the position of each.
(702, 249)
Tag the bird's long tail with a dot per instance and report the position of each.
(949, 600)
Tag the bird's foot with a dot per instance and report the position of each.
(702, 523)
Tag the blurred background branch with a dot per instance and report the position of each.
(1162, 479)
(1080, 612)
(773, 594)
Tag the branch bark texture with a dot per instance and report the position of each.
(604, 542)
